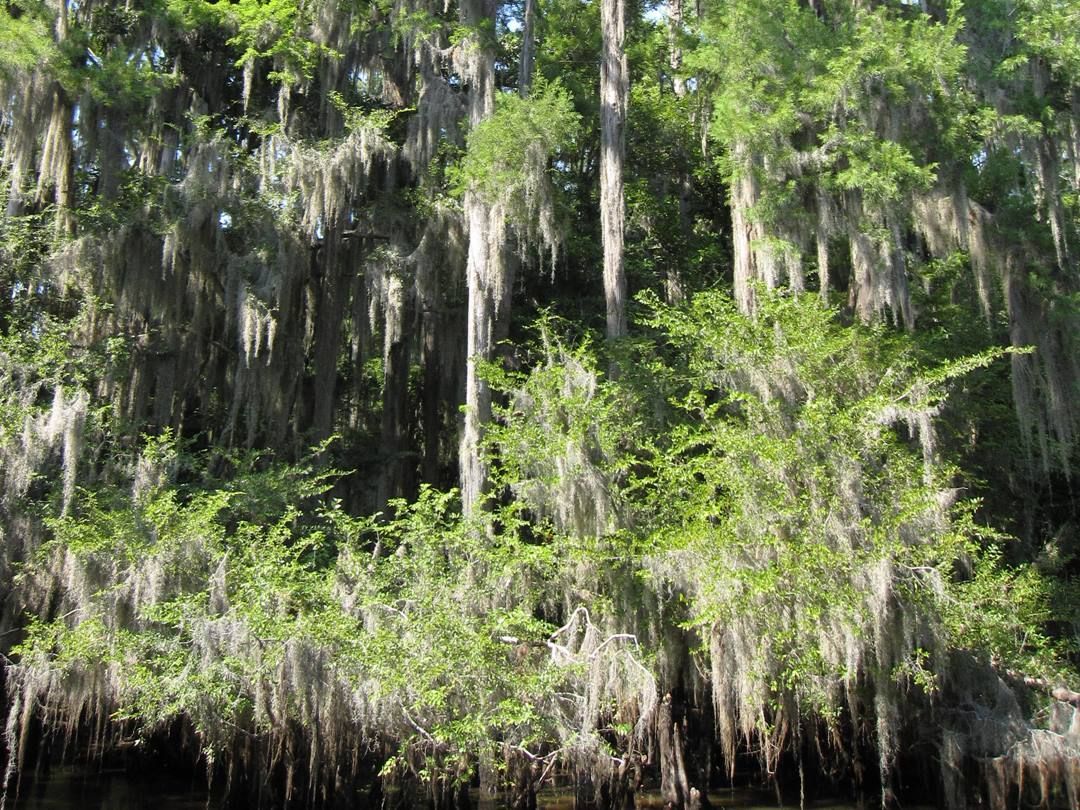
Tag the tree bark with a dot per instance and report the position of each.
(430, 419)
(56, 179)
(674, 788)
(394, 482)
(328, 322)
(528, 45)
(485, 269)
(753, 260)
(675, 54)
(614, 92)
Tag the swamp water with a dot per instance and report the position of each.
(71, 788)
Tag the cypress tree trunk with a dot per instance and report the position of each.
(674, 291)
(751, 262)
(528, 46)
(484, 269)
(430, 420)
(675, 55)
(614, 91)
(331, 310)
(57, 166)
(674, 787)
(394, 482)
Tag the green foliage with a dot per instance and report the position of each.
(121, 80)
(364, 118)
(561, 409)
(795, 485)
(23, 250)
(279, 30)
(808, 93)
(141, 197)
(1049, 28)
(447, 597)
(795, 493)
(1004, 615)
(199, 599)
(506, 149)
(25, 39)
(39, 357)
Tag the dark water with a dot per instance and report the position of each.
(736, 799)
(79, 789)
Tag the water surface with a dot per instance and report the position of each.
(74, 788)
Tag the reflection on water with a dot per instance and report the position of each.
(737, 799)
(80, 789)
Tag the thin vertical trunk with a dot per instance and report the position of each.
(111, 155)
(55, 179)
(752, 258)
(394, 482)
(822, 231)
(484, 271)
(431, 423)
(862, 284)
(328, 321)
(1046, 166)
(1046, 155)
(528, 45)
(432, 361)
(19, 141)
(1074, 140)
(614, 92)
(675, 54)
(878, 268)
(674, 288)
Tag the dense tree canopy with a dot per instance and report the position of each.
(398, 398)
